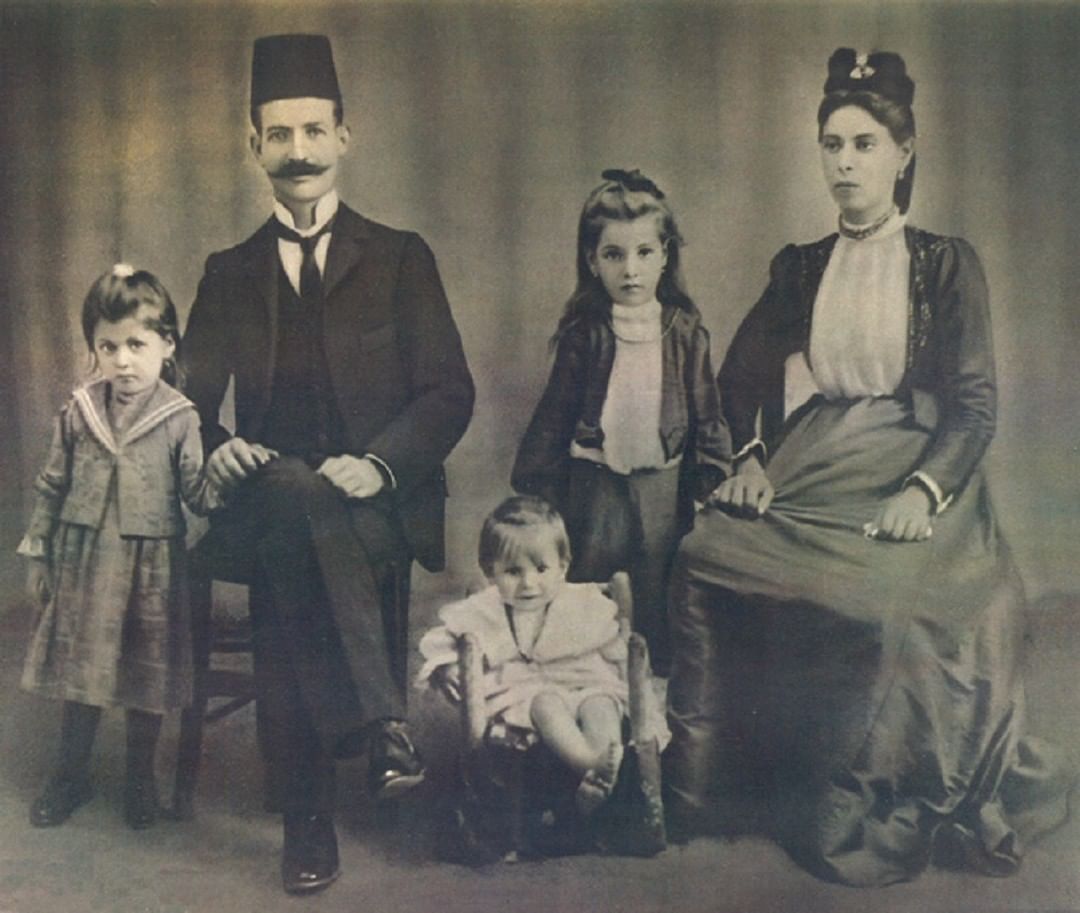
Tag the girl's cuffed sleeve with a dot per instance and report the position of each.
(196, 490)
(51, 485)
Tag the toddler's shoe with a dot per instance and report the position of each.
(394, 763)
(61, 797)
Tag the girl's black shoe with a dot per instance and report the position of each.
(60, 798)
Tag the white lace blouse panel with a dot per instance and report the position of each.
(858, 335)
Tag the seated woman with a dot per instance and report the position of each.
(847, 621)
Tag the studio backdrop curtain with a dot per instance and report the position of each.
(483, 126)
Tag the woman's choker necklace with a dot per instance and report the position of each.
(862, 232)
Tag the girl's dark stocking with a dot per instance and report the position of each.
(140, 790)
(70, 785)
(77, 730)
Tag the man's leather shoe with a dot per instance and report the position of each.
(309, 862)
(61, 797)
(394, 764)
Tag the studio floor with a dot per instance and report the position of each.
(226, 860)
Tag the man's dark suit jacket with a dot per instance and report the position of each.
(396, 363)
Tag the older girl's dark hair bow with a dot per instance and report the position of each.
(632, 180)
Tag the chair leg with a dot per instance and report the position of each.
(473, 703)
(265, 655)
(639, 685)
(189, 748)
(518, 844)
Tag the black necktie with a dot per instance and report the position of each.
(310, 278)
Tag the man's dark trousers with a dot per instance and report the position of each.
(319, 565)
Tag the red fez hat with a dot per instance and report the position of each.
(293, 66)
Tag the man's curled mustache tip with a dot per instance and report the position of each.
(298, 169)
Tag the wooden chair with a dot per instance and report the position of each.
(641, 760)
(234, 688)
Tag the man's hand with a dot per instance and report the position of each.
(903, 518)
(354, 477)
(37, 580)
(234, 461)
(748, 493)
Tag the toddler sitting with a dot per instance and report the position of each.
(554, 655)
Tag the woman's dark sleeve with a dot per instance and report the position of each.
(751, 377)
(542, 464)
(966, 388)
(711, 441)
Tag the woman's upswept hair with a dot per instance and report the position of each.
(120, 293)
(622, 197)
(501, 535)
(877, 83)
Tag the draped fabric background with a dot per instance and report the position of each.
(483, 126)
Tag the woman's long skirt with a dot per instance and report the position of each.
(870, 692)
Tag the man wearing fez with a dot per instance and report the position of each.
(351, 388)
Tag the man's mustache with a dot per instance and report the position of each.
(298, 170)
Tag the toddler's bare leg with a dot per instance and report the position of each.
(560, 732)
(600, 718)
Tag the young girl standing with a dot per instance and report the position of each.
(629, 431)
(106, 544)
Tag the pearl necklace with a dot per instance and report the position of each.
(863, 232)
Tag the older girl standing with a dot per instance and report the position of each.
(628, 432)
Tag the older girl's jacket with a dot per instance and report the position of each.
(156, 462)
(692, 424)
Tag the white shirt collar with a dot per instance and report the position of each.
(639, 323)
(640, 313)
(325, 209)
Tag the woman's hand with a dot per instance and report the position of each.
(748, 493)
(37, 580)
(903, 518)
